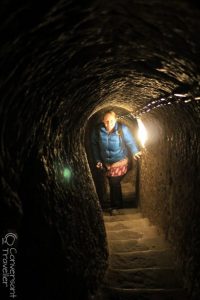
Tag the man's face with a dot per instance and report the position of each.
(109, 121)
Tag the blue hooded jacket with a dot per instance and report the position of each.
(109, 147)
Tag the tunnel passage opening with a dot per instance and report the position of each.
(130, 181)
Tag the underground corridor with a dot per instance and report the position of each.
(62, 64)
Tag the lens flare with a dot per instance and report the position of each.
(67, 174)
(142, 133)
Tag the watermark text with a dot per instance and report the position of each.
(9, 253)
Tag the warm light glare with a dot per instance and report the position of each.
(142, 133)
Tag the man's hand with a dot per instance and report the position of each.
(99, 165)
(137, 155)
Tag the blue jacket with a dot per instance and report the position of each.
(109, 148)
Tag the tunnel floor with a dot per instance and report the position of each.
(142, 263)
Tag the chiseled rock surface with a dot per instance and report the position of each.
(61, 63)
(142, 265)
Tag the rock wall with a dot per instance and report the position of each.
(61, 62)
(169, 183)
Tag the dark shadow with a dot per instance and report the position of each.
(130, 182)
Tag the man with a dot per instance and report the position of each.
(110, 144)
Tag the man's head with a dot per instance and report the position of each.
(109, 120)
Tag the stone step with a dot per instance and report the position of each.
(155, 243)
(141, 262)
(127, 224)
(130, 211)
(124, 214)
(135, 233)
(141, 294)
(148, 278)
(142, 259)
(120, 217)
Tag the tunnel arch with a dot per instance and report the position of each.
(57, 70)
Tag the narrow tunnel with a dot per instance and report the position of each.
(61, 63)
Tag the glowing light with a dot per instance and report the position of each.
(142, 133)
(181, 95)
(67, 174)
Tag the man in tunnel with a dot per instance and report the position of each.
(111, 142)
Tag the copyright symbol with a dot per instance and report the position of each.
(9, 239)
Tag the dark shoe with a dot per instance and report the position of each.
(108, 210)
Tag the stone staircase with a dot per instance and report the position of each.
(141, 263)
